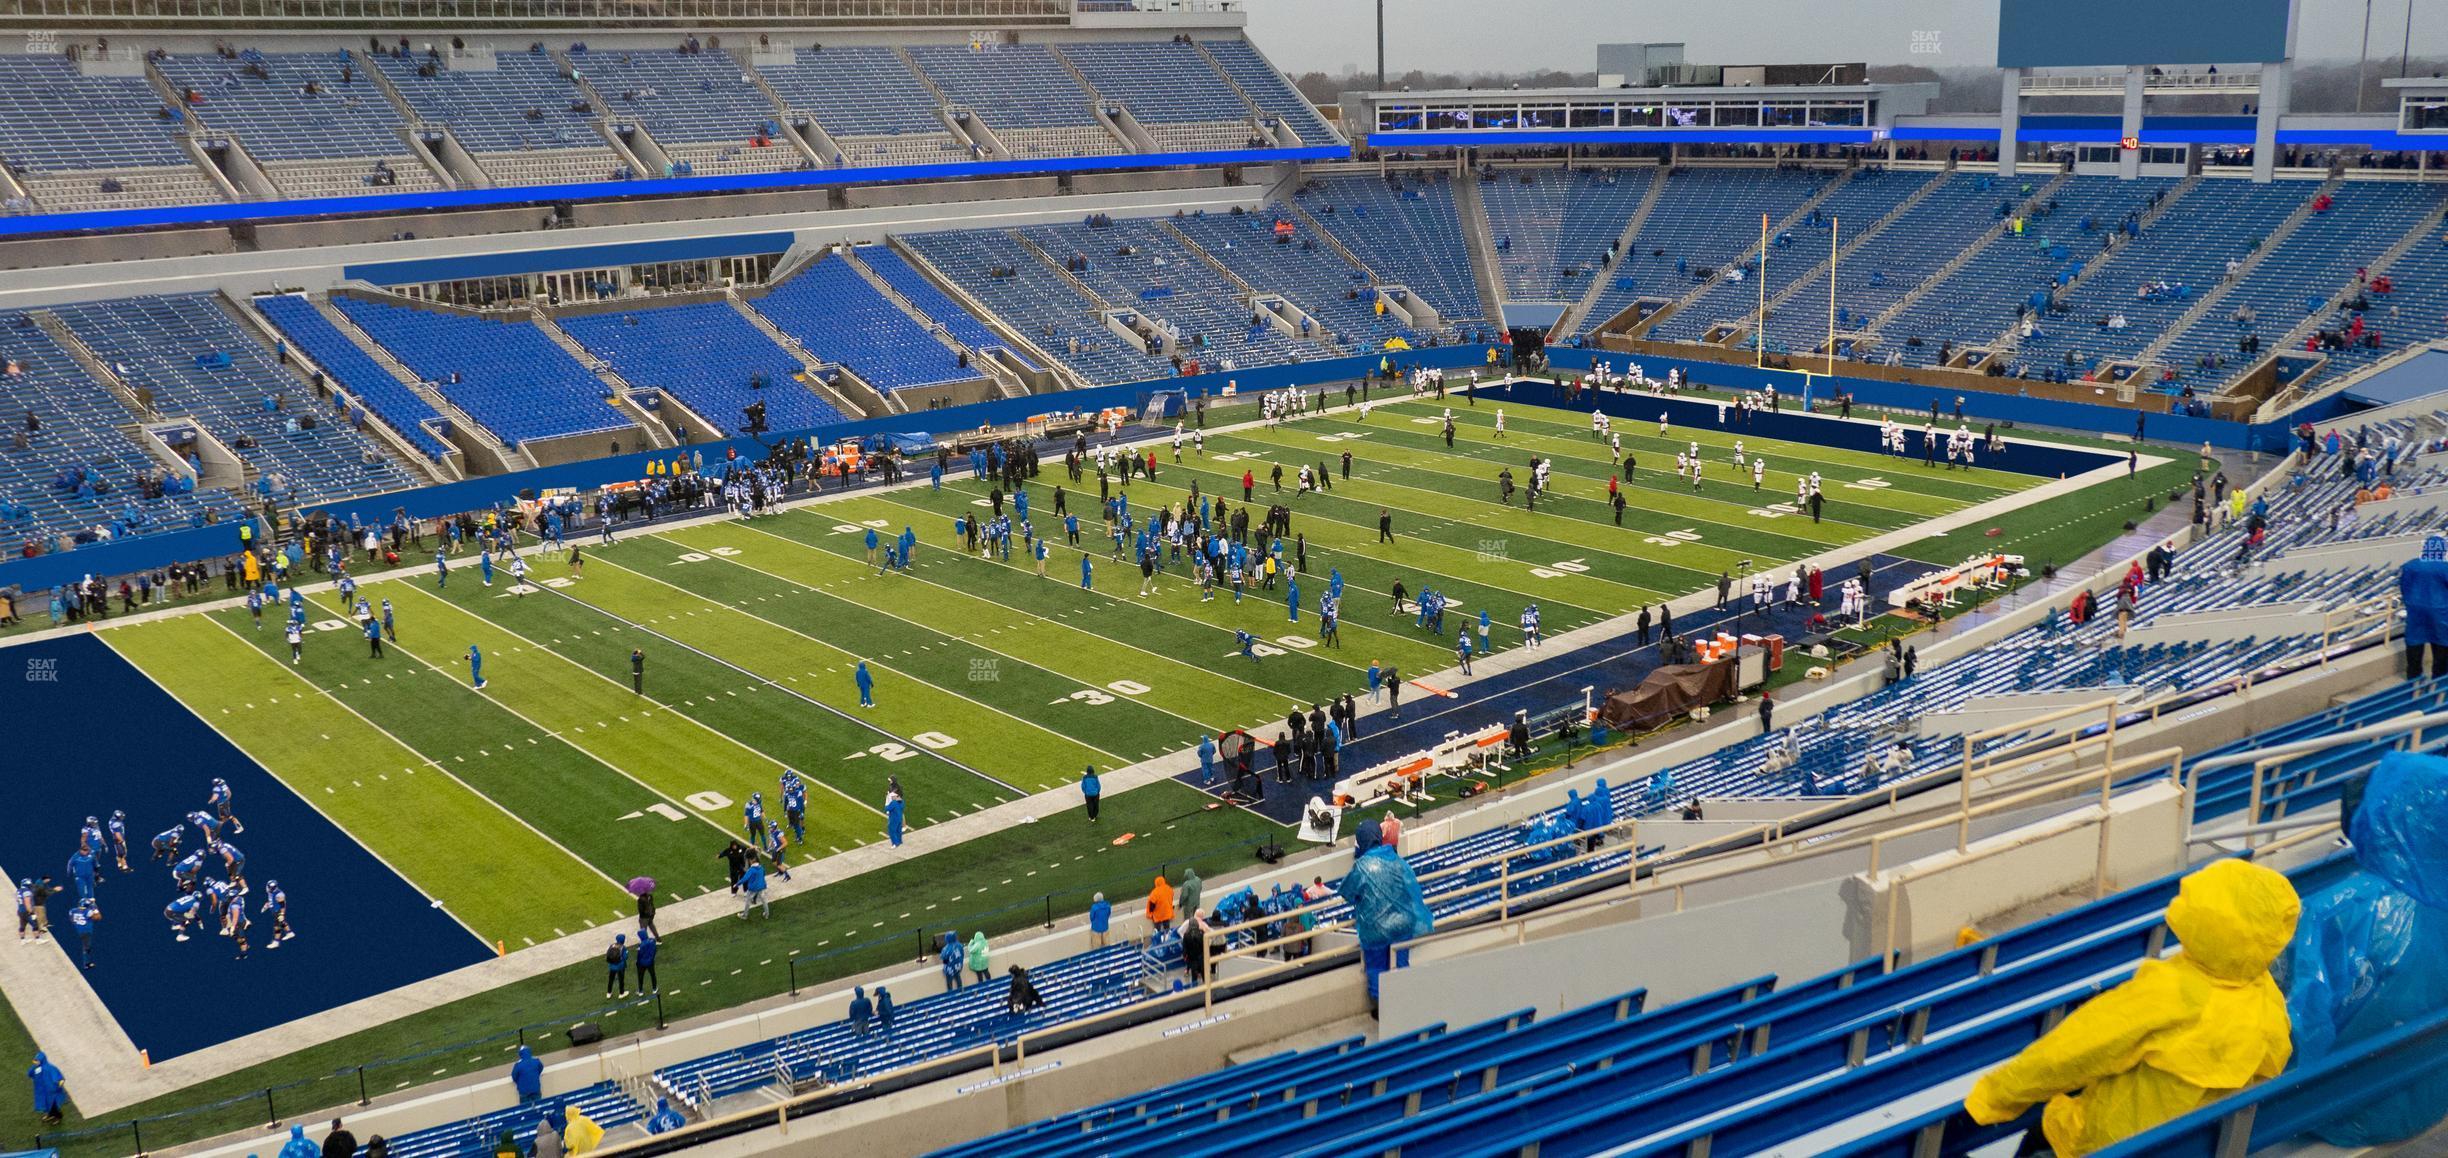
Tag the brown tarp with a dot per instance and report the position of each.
(1668, 692)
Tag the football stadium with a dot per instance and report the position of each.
(1076, 583)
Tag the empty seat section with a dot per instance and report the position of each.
(703, 108)
(196, 361)
(320, 128)
(1030, 100)
(1864, 197)
(1171, 90)
(1291, 261)
(64, 133)
(1552, 227)
(523, 123)
(866, 98)
(1888, 264)
(80, 471)
(1408, 231)
(709, 357)
(1023, 290)
(1703, 221)
(920, 291)
(355, 371)
(1267, 88)
(1138, 263)
(1976, 302)
(509, 376)
(842, 318)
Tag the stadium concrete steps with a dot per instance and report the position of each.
(2006, 339)
(1778, 299)
(658, 431)
(1217, 67)
(93, 365)
(410, 459)
(1955, 265)
(1578, 312)
(782, 108)
(1480, 245)
(2295, 335)
(1066, 377)
(2312, 321)
(1005, 383)
(384, 358)
(1749, 252)
(1077, 286)
(2202, 306)
(868, 402)
(1318, 230)
(412, 122)
(1251, 292)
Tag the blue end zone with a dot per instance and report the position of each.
(100, 735)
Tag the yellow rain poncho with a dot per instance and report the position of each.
(2185, 1031)
(582, 1135)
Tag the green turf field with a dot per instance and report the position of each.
(990, 682)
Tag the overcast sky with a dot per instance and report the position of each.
(1522, 35)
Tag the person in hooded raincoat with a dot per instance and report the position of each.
(1186, 894)
(980, 962)
(665, 1119)
(527, 1076)
(50, 1088)
(893, 812)
(2371, 952)
(884, 1010)
(299, 1145)
(1386, 901)
(2422, 584)
(866, 685)
(951, 957)
(2183, 1032)
(861, 1011)
(1160, 903)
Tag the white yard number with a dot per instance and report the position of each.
(1341, 436)
(333, 625)
(1296, 642)
(708, 801)
(663, 810)
(702, 556)
(1556, 570)
(861, 527)
(1231, 456)
(1673, 538)
(1777, 511)
(896, 753)
(1868, 484)
(1092, 696)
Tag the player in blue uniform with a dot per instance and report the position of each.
(187, 912)
(1249, 645)
(753, 815)
(89, 835)
(82, 919)
(254, 605)
(441, 571)
(223, 801)
(794, 804)
(117, 835)
(484, 563)
(207, 825)
(390, 631)
(166, 843)
(476, 664)
(276, 903)
(235, 861)
(188, 870)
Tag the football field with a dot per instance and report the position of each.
(990, 682)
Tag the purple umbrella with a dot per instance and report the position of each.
(641, 886)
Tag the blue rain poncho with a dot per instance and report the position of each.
(2371, 952)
